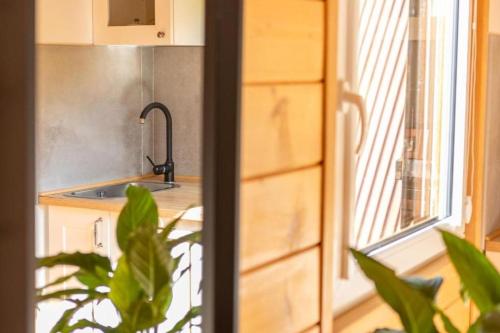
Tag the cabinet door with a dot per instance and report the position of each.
(133, 22)
(74, 229)
(189, 22)
(64, 22)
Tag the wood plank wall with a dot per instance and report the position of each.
(282, 165)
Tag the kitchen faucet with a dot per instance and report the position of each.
(168, 167)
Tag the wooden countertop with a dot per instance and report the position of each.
(171, 202)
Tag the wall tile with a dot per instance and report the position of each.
(178, 84)
(88, 104)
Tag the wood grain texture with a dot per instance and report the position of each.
(279, 215)
(315, 329)
(17, 195)
(283, 297)
(373, 313)
(475, 175)
(282, 127)
(329, 115)
(283, 40)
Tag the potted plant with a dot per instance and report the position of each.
(139, 287)
(413, 298)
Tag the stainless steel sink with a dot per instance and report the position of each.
(118, 190)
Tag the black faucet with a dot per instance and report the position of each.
(168, 167)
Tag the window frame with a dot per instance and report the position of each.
(422, 244)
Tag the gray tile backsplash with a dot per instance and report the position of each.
(178, 84)
(88, 103)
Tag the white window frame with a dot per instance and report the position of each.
(420, 247)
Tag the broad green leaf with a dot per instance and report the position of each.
(125, 290)
(66, 317)
(415, 310)
(163, 299)
(89, 262)
(56, 282)
(149, 261)
(94, 279)
(64, 294)
(191, 314)
(140, 208)
(478, 275)
(84, 323)
(448, 325)
(428, 287)
(93, 270)
(192, 238)
(487, 323)
(165, 232)
(146, 316)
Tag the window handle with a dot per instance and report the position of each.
(346, 96)
(346, 136)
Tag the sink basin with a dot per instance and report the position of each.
(118, 190)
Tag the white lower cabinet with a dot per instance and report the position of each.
(87, 230)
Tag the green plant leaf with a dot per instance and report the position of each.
(93, 272)
(146, 316)
(191, 314)
(192, 238)
(64, 294)
(149, 261)
(124, 289)
(429, 287)
(66, 317)
(84, 323)
(140, 209)
(89, 262)
(56, 282)
(163, 299)
(415, 310)
(448, 325)
(487, 323)
(478, 275)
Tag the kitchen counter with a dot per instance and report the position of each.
(170, 202)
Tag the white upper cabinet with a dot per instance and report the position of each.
(121, 22)
(189, 22)
(64, 22)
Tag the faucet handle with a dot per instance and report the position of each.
(157, 169)
(150, 161)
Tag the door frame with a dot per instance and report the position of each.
(17, 170)
(221, 165)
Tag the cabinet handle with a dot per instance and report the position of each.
(160, 34)
(97, 234)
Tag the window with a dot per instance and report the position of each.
(407, 59)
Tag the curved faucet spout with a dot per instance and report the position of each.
(168, 167)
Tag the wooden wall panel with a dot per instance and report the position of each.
(283, 40)
(279, 215)
(282, 155)
(282, 127)
(283, 297)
